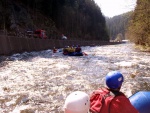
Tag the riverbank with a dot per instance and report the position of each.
(142, 48)
(10, 44)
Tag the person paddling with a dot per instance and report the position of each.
(77, 102)
(111, 100)
(54, 50)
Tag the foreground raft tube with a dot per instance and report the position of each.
(141, 101)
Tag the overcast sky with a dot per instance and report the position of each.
(112, 8)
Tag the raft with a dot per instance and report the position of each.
(75, 54)
(141, 101)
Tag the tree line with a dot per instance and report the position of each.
(139, 25)
(134, 25)
(117, 25)
(78, 19)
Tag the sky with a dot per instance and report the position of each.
(112, 8)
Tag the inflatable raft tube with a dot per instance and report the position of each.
(141, 101)
(76, 54)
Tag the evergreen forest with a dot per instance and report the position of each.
(77, 19)
(118, 25)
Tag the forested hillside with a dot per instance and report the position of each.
(117, 25)
(78, 19)
(139, 29)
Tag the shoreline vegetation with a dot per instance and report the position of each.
(142, 48)
(138, 27)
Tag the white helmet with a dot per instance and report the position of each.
(77, 102)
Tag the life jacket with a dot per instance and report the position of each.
(101, 100)
(71, 49)
(78, 49)
(54, 50)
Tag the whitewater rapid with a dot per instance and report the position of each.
(40, 81)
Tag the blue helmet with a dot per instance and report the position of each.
(114, 79)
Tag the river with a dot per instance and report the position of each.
(38, 82)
